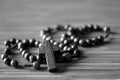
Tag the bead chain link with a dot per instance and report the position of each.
(68, 44)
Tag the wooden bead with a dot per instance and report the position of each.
(32, 58)
(61, 45)
(7, 61)
(40, 45)
(36, 65)
(4, 56)
(72, 37)
(14, 63)
(7, 51)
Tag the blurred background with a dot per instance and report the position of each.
(29, 16)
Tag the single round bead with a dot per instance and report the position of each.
(82, 43)
(48, 38)
(14, 63)
(67, 57)
(25, 42)
(106, 29)
(100, 39)
(72, 37)
(91, 27)
(61, 45)
(76, 40)
(86, 28)
(13, 40)
(32, 58)
(7, 43)
(7, 61)
(32, 42)
(4, 56)
(7, 51)
(40, 45)
(36, 65)
(95, 41)
(26, 56)
(52, 41)
(88, 42)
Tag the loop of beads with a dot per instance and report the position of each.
(68, 44)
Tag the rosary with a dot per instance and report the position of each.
(52, 51)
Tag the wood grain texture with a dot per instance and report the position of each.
(25, 18)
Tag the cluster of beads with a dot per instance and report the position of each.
(68, 44)
(73, 35)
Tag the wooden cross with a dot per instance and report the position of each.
(49, 50)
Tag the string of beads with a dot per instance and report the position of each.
(68, 44)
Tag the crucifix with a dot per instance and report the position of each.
(49, 51)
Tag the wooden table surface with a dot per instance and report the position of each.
(25, 18)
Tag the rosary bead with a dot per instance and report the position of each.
(14, 63)
(40, 45)
(7, 61)
(66, 27)
(76, 40)
(88, 42)
(24, 52)
(52, 41)
(7, 51)
(65, 36)
(72, 37)
(25, 42)
(67, 57)
(13, 40)
(61, 45)
(32, 58)
(26, 56)
(7, 43)
(48, 38)
(37, 43)
(100, 39)
(106, 29)
(18, 40)
(20, 45)
(4, 56)
(36, 65)
(65, 48)
(82, 43)
(91, 27)
(32, 42)
(76, 54)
